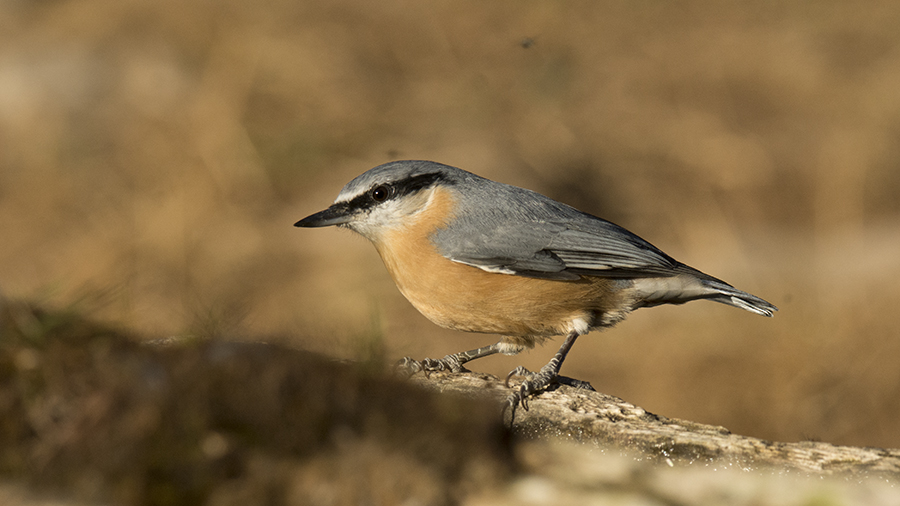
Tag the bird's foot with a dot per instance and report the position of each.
(535, 382)
(408, 366)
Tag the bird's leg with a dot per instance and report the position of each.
(535, 382)
(452, 363)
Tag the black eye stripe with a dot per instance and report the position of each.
(416, 183)
(383, 192)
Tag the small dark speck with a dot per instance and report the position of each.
(527, 42)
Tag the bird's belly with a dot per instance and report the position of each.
(462, 297)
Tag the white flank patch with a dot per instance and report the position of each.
(579, 325)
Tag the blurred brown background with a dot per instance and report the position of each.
(155, 154)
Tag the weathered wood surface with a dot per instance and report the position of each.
(592, 417)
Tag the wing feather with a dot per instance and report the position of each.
(532, 235)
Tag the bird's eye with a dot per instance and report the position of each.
(381, 193)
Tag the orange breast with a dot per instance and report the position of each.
(463, 297)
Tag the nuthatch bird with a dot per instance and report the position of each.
(475, 255)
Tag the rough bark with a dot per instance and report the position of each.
(592, 417)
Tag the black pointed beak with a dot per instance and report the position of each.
(337, 214)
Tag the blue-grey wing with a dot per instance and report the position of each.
(546, 239)
(503, 247)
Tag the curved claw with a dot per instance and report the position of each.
(534, 382)
(429, 365)
(510, 375)
(523, 397)
(516, 399)
(526, 390)
(518, 371)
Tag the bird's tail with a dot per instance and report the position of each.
(692, 284)
(721, 291)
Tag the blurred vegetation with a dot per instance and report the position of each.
(153, 156)
(93, 415)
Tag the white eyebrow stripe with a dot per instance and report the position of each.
(345, 197)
